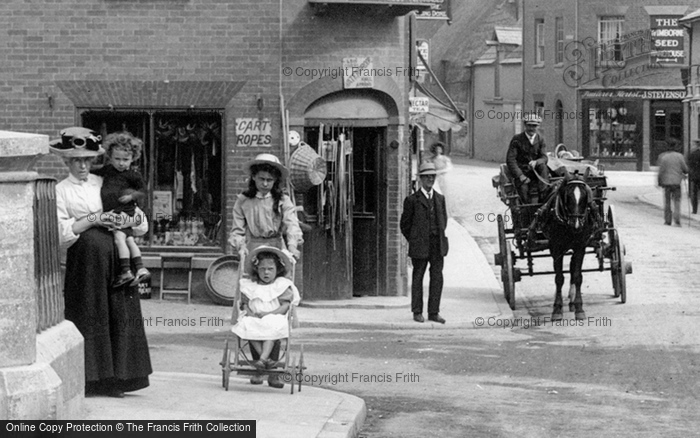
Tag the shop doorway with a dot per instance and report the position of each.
(367, 251)
(666, 124)
(345, 253)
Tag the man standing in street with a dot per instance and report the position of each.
(527, 161)
(423, 224)
(672, 170)
(694, 168)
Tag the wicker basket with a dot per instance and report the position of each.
(306, 168)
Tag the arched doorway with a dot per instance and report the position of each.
(345, 254)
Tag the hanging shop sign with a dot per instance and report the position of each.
(439, 10)
(634, 94)
(424, 49)
(667, 40)
(253, 132)
(358, 72)
(418, 105)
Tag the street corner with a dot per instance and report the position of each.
(311, 411)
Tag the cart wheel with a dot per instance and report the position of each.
(612, 245)
(301, 366)
(611, 216)
(618, 268)
(498, 259)
(508, 276)
(227, 366)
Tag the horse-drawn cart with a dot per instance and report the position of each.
(526, 240)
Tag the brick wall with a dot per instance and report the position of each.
(197, 40)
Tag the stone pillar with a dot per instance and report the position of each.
(41, 374)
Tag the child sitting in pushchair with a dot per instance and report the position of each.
(266, 298)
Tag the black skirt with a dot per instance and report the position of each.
(110, 320)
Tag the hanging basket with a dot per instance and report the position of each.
(306, 168)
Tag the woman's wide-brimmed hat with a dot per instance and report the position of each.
(252, 258)
(267, 159)
(77, 142)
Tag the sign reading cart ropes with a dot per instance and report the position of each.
(253, 132)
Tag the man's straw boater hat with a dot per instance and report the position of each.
(426, 169)
(532, 119)
(77, 142)
(267, 159)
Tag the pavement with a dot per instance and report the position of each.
(470, 291)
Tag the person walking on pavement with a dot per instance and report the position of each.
(423, 223)
(694, 173)
(527, 161)
(672, 170)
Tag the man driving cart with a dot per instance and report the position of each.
(527, 161)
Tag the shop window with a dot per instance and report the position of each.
(614, 127)
(539, 41)
(182, 165)
(609, 34)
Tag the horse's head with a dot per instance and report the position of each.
(573, 203)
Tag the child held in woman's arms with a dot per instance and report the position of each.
(122, 188)
(266, 298)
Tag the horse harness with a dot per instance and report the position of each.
(558, 209)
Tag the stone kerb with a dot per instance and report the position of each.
(41, 374)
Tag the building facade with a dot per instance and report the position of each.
(467, 56)
(207, 86)
(607, 77)
(497, 95)
(692, 23)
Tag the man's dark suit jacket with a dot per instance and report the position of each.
(521, 152)
(415, 225)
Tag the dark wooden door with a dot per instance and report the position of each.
(368, 144)
(666, 123)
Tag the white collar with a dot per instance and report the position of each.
(77, 181)
(259, 196)
(427, 194)
(531, 137)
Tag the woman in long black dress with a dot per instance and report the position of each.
(117, 359)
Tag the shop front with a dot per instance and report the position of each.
(627, 129)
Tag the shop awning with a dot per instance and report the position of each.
(391, 7)
(440, 116)
(154, 94)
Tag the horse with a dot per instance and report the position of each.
(569, 220)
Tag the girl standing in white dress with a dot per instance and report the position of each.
(266, 298)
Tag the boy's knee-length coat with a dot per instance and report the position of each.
(415, 225)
